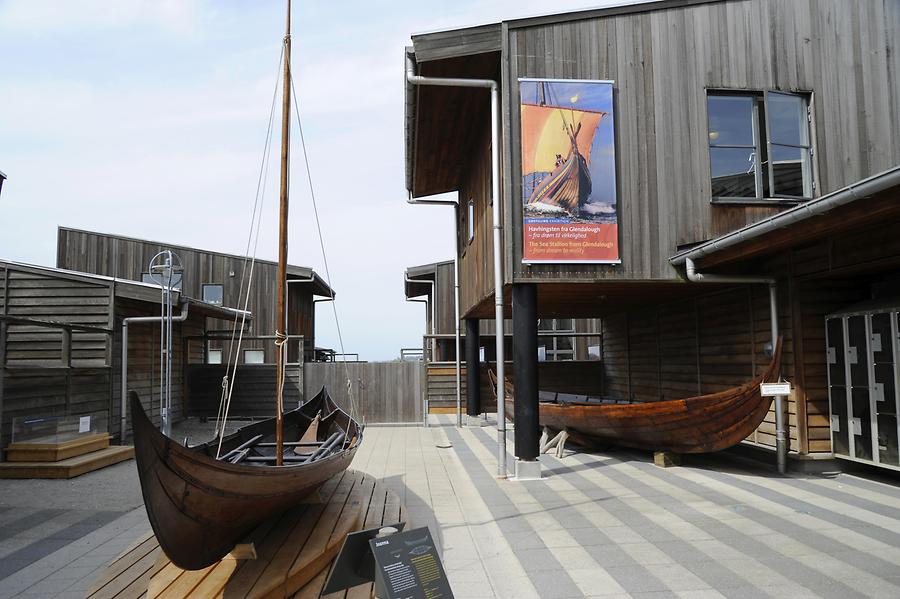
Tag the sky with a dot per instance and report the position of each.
(148, 118)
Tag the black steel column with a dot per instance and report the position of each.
(525, 364)
(473, 368)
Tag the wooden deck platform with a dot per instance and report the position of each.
(55, 452)
(293, 551)
(68, 468)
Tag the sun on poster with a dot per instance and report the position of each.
(568, 172)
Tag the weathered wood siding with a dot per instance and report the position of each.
(383, 391)
(696, 347)
(44, 297)
(254, 390)
(127, 258)
(663, 60)
(476, 262)
(144, 363)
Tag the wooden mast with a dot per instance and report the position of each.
(281, 319)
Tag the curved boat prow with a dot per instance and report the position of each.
(200, 506)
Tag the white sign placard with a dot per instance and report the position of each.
(774, 389)
(84, 424)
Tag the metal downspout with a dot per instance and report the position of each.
(490, 84)
(455, 204)
(781, 445)
(125, 322)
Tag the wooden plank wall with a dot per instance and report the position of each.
(143, 362)
(476, 261)
(843, 51)
(254, 390)
(128, 258)
(695, 347)
(384, 391)
(44, 297)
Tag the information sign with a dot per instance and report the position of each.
(408, 567)
(775, 389)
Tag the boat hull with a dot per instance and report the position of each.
(199, 507)
(701, 424)
(568, 186)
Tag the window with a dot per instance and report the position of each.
(759, 146)
(556, 348)
(254, 356)
(594, 352)
(214, 356)
(176, 280)
(212, 294)
(471, 222)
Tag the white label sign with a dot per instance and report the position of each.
(773, 389)
(84, 424)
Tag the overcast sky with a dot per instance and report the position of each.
(148, 118)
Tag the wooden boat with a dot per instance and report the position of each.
(200, 506)
(202, 500)
(700, 424)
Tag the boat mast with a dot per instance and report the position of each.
(281, 318)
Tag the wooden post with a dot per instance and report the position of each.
(525, 359)
(473, 368)
(281, 319)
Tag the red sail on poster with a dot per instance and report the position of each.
(568, 172)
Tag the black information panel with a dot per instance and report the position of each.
(408, 567)
(354, 564)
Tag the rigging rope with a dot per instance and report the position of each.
(337, 323)
(247, 274)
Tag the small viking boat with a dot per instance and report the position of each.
(556, 152)
(200, 506)
(202, 500)
(700, 424)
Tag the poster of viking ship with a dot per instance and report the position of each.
(568, 171)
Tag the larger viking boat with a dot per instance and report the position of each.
(700, 424)
(556, 153)
(202, 500)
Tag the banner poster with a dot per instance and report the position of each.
(568, 172)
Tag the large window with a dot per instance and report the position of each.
(557, 347)
(213, 294)
(759, 146)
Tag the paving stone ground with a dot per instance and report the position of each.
(598, 525)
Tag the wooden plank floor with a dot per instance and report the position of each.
(294, 551)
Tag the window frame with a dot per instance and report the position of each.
(764, 181)
(551, 352)
(203, 293)
(470, 221)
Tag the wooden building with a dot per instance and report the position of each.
(567, 347)
(216, 278)
(697, 85)
(61, 345)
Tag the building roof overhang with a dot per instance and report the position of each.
(132, 290)
(866, 202)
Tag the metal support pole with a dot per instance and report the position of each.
(494, 88)
(473, 369)
(525, 359)
(781, 445)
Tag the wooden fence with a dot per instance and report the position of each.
(384, 391)
(254, 390)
